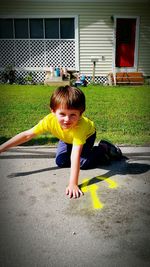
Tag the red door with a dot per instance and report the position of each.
(125, 42)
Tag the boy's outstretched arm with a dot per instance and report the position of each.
(73, 190)
(17, 140)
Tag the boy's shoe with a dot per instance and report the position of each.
(103, 156)
(113, 151)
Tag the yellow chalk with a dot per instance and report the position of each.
(112, 184)
(97, 204)
(86, 187)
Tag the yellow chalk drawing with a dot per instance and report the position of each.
(97, 204)
(112, 184)
(92, 188)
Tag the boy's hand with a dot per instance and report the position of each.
(73, 191)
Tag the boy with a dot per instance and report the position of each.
(75, 132)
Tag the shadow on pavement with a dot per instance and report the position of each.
(122, 168)
(29, 155)
(118, 168)
(18, 174)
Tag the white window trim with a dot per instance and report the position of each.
(127, 69)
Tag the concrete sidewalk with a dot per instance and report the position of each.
(40, 226)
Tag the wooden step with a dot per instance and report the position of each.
(135, 78)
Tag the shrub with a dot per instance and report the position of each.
(8, 75)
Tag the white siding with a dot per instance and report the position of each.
(95, 28)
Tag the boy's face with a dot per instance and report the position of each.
(67, 118)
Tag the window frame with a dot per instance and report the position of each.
(75, 17)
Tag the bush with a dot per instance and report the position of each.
(8, 75)
(29, 78)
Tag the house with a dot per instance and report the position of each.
(95, 37)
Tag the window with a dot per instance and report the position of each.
(6, 28)
(52, 28)
(36, 28)
(21, 28)
(67, 28)
(48, 28)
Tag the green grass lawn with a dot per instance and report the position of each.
(121, 114)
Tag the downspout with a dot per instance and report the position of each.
(114, 50)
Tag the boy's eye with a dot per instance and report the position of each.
(71, 115)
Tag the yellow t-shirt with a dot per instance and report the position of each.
(76, 135)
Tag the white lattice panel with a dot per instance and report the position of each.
(37, 52)
(53, 57)
(101, 79)
(39, 77)
(98, 79)
(67, 55)
(22, 53)
(6, 53)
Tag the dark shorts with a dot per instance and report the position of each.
(89, 157)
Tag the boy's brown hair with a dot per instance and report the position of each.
(68, 97)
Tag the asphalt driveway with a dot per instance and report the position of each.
(40, 226)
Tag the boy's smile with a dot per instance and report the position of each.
(67, 118)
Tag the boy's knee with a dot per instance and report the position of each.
(62, 161)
